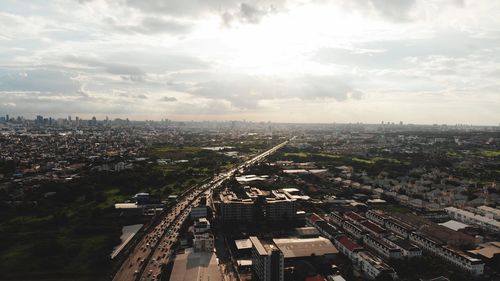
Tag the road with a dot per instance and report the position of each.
(156, 248)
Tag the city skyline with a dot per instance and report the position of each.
(422, 62)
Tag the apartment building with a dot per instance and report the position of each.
(234, 209)
(274, 206)
(267, 261)
(279, 207)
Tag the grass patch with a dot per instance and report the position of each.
(296, 154)
(173, 152)
(490, 153)
(394, 209)
(326, 155)
(375, 160)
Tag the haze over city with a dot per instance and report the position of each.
(342, 61)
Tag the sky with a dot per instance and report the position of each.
(416, 61)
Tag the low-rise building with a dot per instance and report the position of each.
(348, 247)
(383, 248)
(372, 266)
(399, 227)
(408, 249)
(461, 260)
(486, 223)
(377, 216)
(353, 230)
(297, 248)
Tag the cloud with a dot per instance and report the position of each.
(248, 13)
(194, 8)
(152, 25)
(246, 92)
(112, 68)
(169, 99)
(395, 53)
(38, 80)
(402, 10)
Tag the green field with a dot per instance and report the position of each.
(70, 235)
(310, 155)
(296, 154)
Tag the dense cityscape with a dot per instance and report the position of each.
(210, 201)
(262, 140)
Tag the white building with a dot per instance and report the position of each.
(486, 223)
(203, 242)
(490, 212)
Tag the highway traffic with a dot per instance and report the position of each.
(157, 247)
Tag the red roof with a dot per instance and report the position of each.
(315, 278)
(373, 227)
(314, 217)
(348, 243)
(354, 216)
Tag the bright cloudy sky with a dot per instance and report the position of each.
(417, 61)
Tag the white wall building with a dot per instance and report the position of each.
(486, 223)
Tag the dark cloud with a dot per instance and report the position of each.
(397, 10)
(248, 13)
(253, 14)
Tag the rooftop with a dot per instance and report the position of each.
(454, 225)
(305, 247)
(199, 266)
(487, 250)
(373, 260)
(243, 244)
(349, 244)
